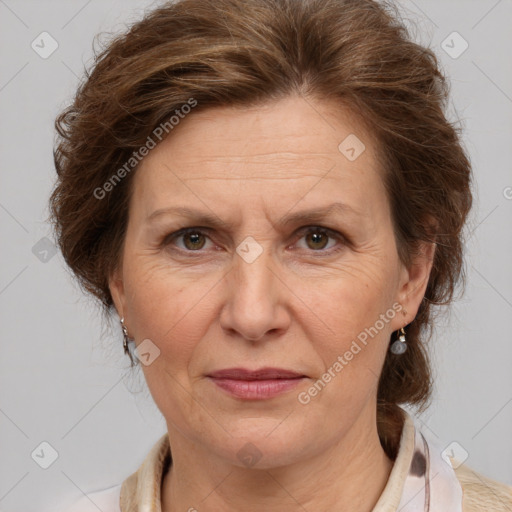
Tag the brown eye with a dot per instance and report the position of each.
(193, 240)
(187, 239)
(317, 239)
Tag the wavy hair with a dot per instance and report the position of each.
(248, 52)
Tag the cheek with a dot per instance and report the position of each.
(351, 297)
(158, 294)
(350, 343)
(171, 308)
(349, 316)
(174, 313)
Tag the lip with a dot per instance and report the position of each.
(259, 384)
(266, 373)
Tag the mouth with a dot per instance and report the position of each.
(259, 374)
(259, 384)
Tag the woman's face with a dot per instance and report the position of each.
(260, 284)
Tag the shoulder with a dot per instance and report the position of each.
(106, 500)
(482, 494)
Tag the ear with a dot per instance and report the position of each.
(414, 280)
(116, 286)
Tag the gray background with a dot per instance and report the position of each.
(63, 377)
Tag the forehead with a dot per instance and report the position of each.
(286, 148)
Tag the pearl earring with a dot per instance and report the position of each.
(399, 346)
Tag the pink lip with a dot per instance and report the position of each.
(259, 374)
(256, 384)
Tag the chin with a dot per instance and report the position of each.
(259, 443)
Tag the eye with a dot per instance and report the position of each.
(317, 238)
(193, 239)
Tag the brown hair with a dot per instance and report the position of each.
(248, 52)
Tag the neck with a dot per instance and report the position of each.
(351, 475)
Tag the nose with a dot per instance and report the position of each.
(255, 306)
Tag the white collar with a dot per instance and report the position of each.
(421, 480)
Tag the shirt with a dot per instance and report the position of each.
(424, 478)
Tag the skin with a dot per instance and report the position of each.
(298, 306)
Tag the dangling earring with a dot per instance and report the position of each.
(399, 346)
(126, 340)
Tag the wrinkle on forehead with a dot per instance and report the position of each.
(288, 124)
(231, 156)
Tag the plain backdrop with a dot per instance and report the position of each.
(63, 377)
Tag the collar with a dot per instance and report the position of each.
(422, 478)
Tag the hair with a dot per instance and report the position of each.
(250, 52)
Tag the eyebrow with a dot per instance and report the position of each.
(305, 216)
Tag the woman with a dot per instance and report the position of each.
(268, 194)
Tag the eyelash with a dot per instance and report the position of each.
(168, 239)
